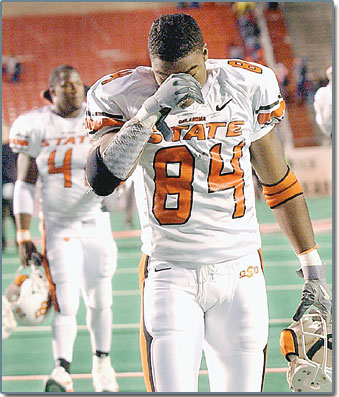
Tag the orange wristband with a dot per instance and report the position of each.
(286, 189)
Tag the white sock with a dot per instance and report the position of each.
(64, 333)
(99, 323)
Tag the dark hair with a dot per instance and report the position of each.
(174, 36)
(55, 74)
(54, 78)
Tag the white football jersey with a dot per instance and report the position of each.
(60, 147)
(323, 109)
(199, 190)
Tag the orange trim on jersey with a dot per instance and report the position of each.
(145, 339)
(47, 269)
(288, 342)
(264, 118)
(309, 250)
(105, 122)
(286, 189)
(18, 142)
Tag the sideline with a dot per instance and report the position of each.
(118, 375)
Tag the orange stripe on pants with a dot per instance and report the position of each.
(145, 338)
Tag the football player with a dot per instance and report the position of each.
(323, 105)
(196, 127)
(79, 252)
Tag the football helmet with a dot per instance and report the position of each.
(307, 346)
(29, 294)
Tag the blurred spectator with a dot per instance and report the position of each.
(300, 74)
(8, 180)
(323, 105)
(241, 7)
(235, 51)
(12, 68)
(250, 32)
(281, 72)
(273, 5)
(187, 4)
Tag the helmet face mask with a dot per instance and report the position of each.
(29, 297)
(307, 345)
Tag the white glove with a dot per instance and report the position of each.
(172, 94)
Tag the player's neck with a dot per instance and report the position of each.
(66, 113)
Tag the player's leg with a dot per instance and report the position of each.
(100, 264)
(64, 265)
(172, 328)
(237, 330)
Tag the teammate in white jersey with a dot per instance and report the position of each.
(196, 126)
(79, 253)
(323, 105)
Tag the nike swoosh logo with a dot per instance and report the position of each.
(160, 270)
(221, 107)
(326, 296)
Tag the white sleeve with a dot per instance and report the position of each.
(323, 109)
(102, 114)
(25, 136)
(267, 103)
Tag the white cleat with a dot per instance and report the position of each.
(59, 381)
(104, 375)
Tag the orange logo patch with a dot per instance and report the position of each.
(249, 272)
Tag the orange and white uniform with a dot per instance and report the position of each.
(202, 241)
(80, 251)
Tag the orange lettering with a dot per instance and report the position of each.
(155, 138)
(70, 140)
(245, 65)
(218, 181)
(234, 128)
(177, 132)
(213, 129)
(196, 131)
(64, 169)
(116, 75)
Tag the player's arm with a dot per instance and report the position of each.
(116, 156)
(284, 195)
(23, 204)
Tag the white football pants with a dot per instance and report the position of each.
(219, 309)
(81, 259)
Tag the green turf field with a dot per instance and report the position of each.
(27, 353)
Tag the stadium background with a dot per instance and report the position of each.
(100, 38)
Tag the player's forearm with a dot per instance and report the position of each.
(116, 157)
(23, 221)
(294, 220)
(23, 224)
(23, 208)
(122, 152)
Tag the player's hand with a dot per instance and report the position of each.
(176, 92)
(173, 93)
(26, 249)
(317, 293)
